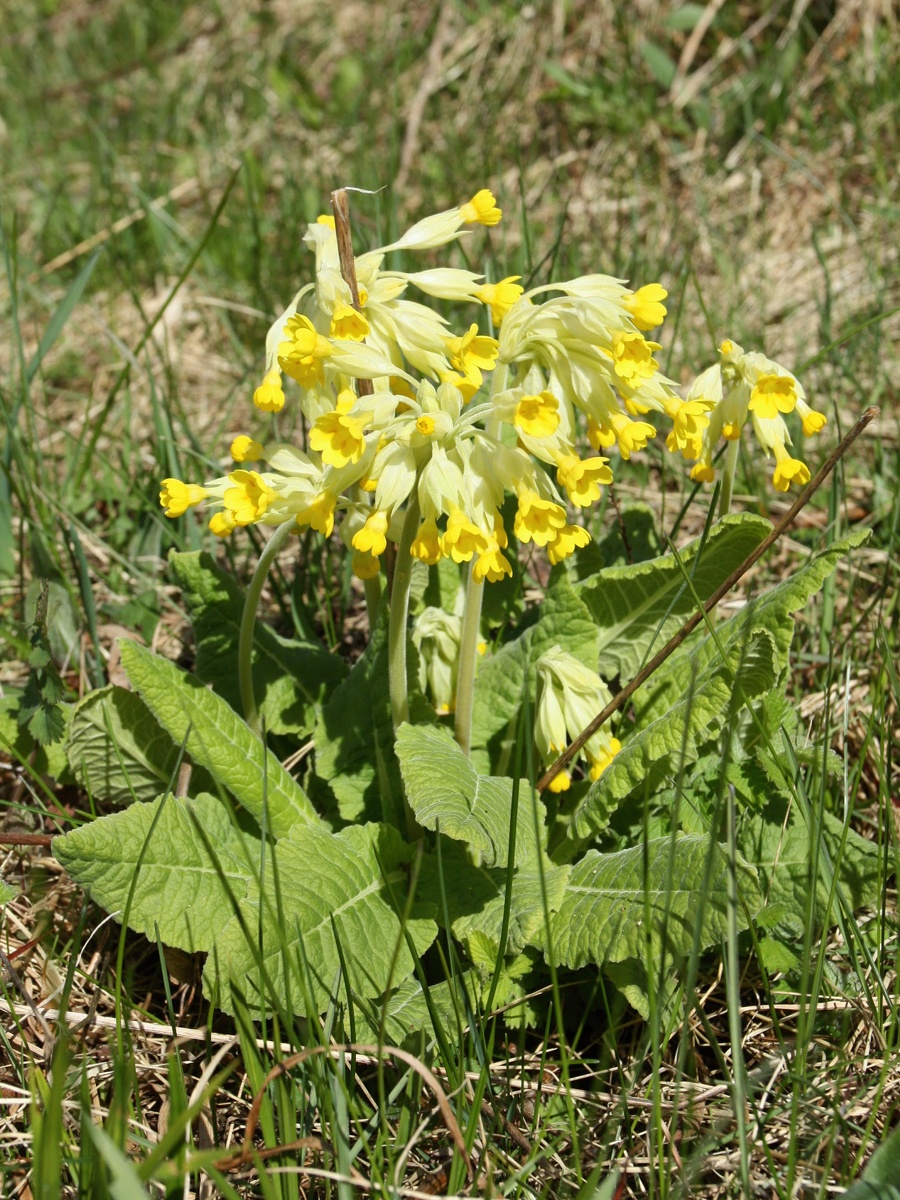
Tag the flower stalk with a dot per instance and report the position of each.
(397, 680)
(248, 620)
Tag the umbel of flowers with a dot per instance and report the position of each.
(418, 430)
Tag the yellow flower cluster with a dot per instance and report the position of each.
(744, 386)
(572, 373)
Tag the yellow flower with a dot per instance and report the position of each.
(371, 538)
(560, 783)
(500, 296)
(339, 438)
(462, 538)
(633, 359)
(690, 418)
(810, 420)
(426, 545)
(630, 436)
(245, 449)
(481, 209)
(303, 351)
(583, 477)
(319, 514)
(222, 524)
(702, 472)
(538, 416)
(646, 306)
(788, 470)
(538, 520)
(567, 541)
(599, 763)
(348, 324)
(248, 497)
(773, 394)
(269, 396)
(470, 355)
(177, 497)
(491, 564)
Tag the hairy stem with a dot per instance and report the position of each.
(248, 620)
(399, 614)
(728, 471)
(468, 656)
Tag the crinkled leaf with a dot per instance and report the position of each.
(408, 1011)
(218, 740)
(355, 756)
(473, 897)
(674, 737)
(648, 901)
(630, 978)
(181, 889)
(564, 621)
(16, 741)
(290, 678)
(881, 1178)
(443, 786)
(348, 884)
(628, 603)
(45, 723)
(772, 611)
(776, 957)
(777, 841)
(119, 751)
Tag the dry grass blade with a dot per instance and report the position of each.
(361, 1048)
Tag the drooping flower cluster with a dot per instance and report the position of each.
(573, 375)
(569, 696)
(744, 386)
(576, 367)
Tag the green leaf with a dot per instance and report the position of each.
(290, 678)
(661, 65)
(672, 740)
(348, 883)
(408, 1010)
(772, 611)
(15, 740)
(443, 787)
(119, 751)
(628, 603)
(7, 892)
(63, 311)
(776, 957)
(355, 736)
(777, 841)
(685, 17)
(564, 621)
(646, 902)
(218, 739)
(881, 1178)
(180, 889)
(124, 1180)
(45, 723)
(662, 995)
(475, 895)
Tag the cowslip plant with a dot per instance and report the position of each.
(440, 456)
